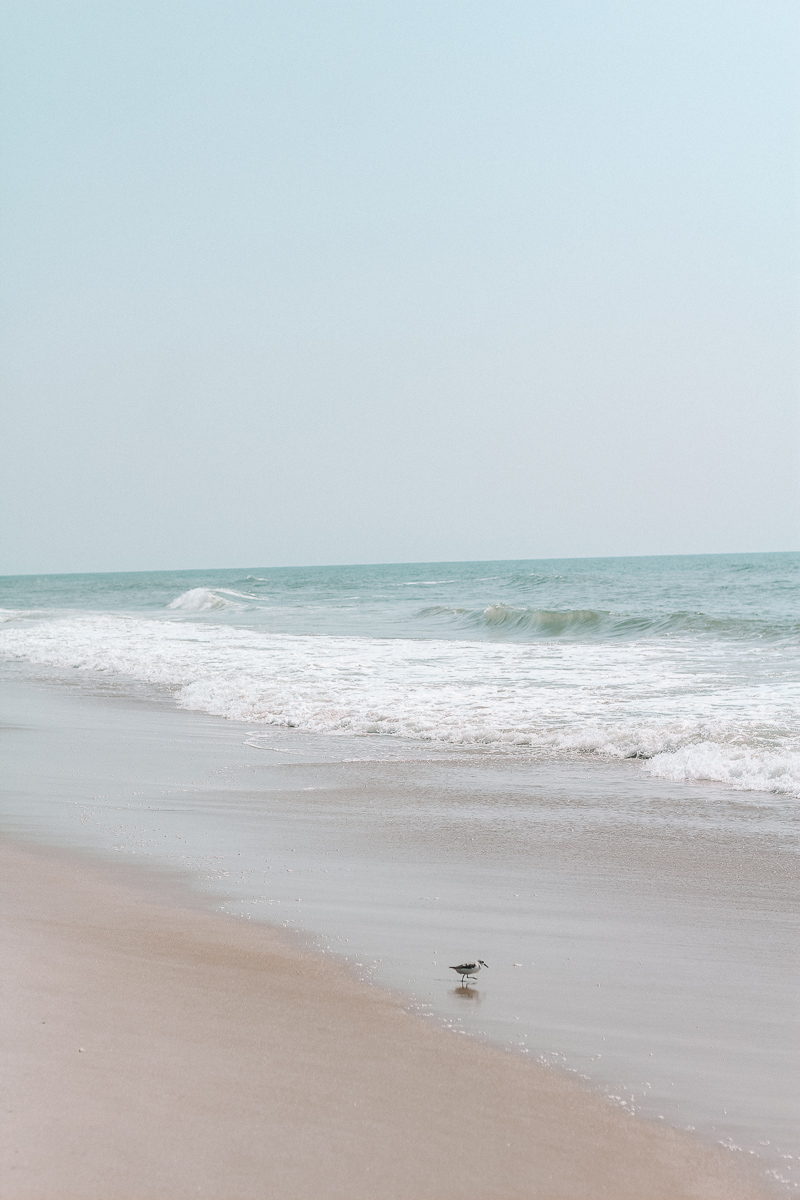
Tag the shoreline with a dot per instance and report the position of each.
(156, 1048)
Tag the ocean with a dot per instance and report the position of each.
(690, 665)
(586, 772)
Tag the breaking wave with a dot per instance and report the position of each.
(740, 767)
(202, 599)
(507, 619)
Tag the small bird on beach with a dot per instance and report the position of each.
(468, 969)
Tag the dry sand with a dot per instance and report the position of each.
(154, 1049)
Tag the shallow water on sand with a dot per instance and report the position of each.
(639, 932)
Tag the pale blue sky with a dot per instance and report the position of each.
(356, 282)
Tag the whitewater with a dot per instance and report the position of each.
(691, 665)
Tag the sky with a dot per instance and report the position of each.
(293, 283)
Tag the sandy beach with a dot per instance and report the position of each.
(154, 1049)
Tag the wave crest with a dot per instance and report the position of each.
(519, 623)
(547, 621)
(202, 599)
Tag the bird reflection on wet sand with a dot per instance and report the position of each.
(467, 993)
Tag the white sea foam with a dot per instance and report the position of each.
(745, 768)
(691, 717)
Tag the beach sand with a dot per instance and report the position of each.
(156, 1049)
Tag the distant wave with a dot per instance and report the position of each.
(517, 622)
(505, 617)
(202, 599)
(424, 582)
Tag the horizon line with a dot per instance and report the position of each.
(400, 563)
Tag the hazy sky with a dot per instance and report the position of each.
(363, 282)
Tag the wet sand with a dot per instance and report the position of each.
(155, 1049)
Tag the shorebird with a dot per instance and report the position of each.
(470, 968)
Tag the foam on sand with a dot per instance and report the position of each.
(737, 766)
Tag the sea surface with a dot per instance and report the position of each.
(586, 772)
